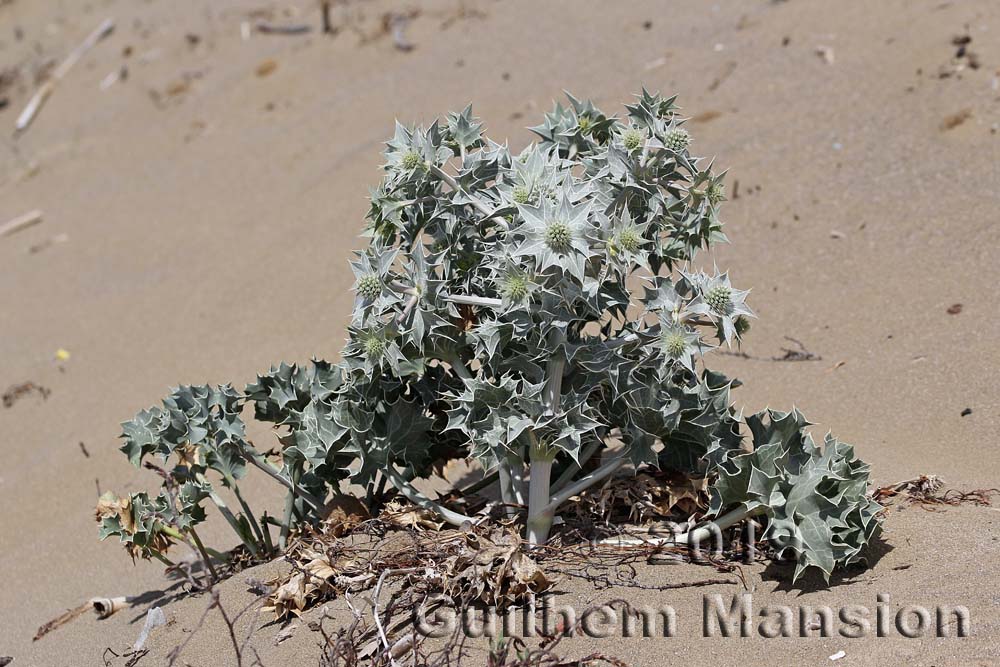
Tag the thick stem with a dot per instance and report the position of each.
(409, 307)
(539, 520)
(506, 487)
(575, 466)
(286, 522)
(472, 300)
(540, 517)
(585, 482)
(419, 499)
(554, 373)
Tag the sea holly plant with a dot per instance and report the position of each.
(540, 313)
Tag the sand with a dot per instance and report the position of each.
(210, 202)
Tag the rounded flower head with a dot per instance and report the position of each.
(411, 160)
(558, 236)
(555, 235)
(373, 345)
(515, 287)
(680, 343)
(677, 139)
(633, 138)
(674, 344)
(369, 286)
(629, 239)
(720, 299)
(521, 194)
(715, 193)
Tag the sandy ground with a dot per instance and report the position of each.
(210, 203)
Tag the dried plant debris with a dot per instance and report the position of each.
(315, 576)
(494, 571)
(403, 515)
(952, 121)
(925, 491)
(16, 392)
(342, 514)
(650, 495)
(493, 568)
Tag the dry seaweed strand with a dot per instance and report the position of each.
(924, 491)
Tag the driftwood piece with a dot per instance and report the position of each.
(20, 222)
(103, 607)
(42, 94)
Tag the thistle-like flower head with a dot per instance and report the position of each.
(633, 138)
(680, 344)
(676, 139)
(374, 346)
(521, 194)
(715, 193)
(720, 299)
(721, 302)
(558, 236)
(369, 286)
(555, 235)
(410, 160)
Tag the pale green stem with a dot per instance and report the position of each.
(472, 300)
(228, 515)
(583, 483)
(246, 512)
(575, 466)
(256, 459)
(539, 522)
(204, 556)
(286, 522)
(554, 373)
(506, 487)
(419, 499)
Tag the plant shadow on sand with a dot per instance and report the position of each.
(813, 582)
